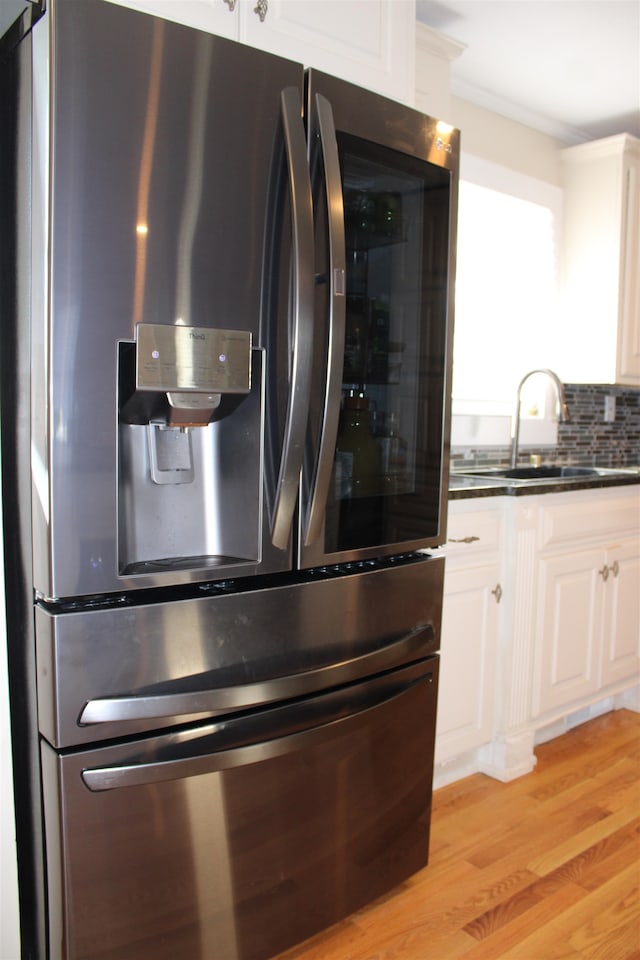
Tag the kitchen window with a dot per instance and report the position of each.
(506, 297)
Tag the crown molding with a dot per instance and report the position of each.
(437, 44)
(513, 111)
(606, 147)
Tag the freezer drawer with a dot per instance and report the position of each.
(235, 840)
(115, 672)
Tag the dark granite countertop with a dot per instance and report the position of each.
(462, 486)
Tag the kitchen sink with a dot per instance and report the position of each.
(542, 473)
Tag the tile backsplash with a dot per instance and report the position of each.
(586, 439)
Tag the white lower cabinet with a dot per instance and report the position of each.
(563, 644)
(621, 616)
(589, 623)
(587, 637)
(569, 627)
(472, 597)
(467, 674)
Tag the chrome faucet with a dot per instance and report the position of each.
(562, 410)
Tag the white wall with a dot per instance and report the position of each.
(507, 143)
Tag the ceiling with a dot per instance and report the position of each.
(570, 68)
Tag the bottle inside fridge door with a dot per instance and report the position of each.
(358, 467)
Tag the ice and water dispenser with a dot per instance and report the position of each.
(189, 448)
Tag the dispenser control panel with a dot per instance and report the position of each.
(192, 359)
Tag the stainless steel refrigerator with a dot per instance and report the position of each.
(226, 338)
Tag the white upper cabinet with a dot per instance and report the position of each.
(601, 308)
(367, 42)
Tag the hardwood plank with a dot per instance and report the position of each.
(584, 871)
(607, 916)
(603, 859)
(412, 943)
(623, 770)
(582, 840)
(612, 861)
(444, 910)
(514, 906)
(523, 838)
(498, 942)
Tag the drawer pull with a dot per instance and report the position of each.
(464, 540)
(497, 593)
(615, 568)
(604, 573)
(261, 9)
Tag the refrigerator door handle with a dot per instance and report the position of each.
(323, 117)
(302, 318)
(176, 766)
(242, 696)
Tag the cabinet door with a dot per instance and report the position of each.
(467, 660)
(569, 620)
(371, 44)
(601, 248)
(621, 633)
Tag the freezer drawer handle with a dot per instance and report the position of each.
(228, 699)
(302, 312)
(323, 117)
(177, 767)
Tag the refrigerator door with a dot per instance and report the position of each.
(236, 840)
(156, 169)
(120, 670)
(384, 180)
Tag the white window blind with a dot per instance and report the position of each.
(506, 287)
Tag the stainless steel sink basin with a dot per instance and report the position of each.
(540, 474)
(543, 473)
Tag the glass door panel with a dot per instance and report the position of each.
(387, 468)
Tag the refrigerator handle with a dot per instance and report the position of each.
(302, 318)
(176, 766)
(323, 118)
(239, 697)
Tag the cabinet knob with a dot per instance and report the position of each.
(604, 573)
(615, 568)
(261, 9)
(497, 593)
(231, 4)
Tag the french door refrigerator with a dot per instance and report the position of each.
(225, 378)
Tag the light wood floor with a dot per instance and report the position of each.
(543, 868)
